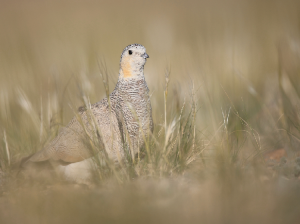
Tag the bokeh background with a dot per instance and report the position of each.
(236, 57)
(233, 44)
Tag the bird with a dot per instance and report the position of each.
(122, 120)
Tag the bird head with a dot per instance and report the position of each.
(132, 61)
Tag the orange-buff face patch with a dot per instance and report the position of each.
(126, 67)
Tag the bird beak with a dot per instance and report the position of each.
(145, 55)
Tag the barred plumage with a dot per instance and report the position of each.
(127, 120)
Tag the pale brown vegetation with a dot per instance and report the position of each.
(231, 95)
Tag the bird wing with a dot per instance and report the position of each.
(74, 142)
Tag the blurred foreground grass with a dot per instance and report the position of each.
(233, 95)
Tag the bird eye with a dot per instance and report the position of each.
(130, 52)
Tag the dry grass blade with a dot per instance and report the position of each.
(200, 164)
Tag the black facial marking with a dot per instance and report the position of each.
(130, 52)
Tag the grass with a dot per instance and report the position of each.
(229, 95)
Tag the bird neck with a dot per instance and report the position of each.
(131, 73)
(130, 69)
(136, 78)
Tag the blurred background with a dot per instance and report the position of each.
(222, 46)
(235, 58)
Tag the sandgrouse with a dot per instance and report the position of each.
(123, 120)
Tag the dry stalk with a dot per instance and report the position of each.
(167, 75)
(6, 147)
